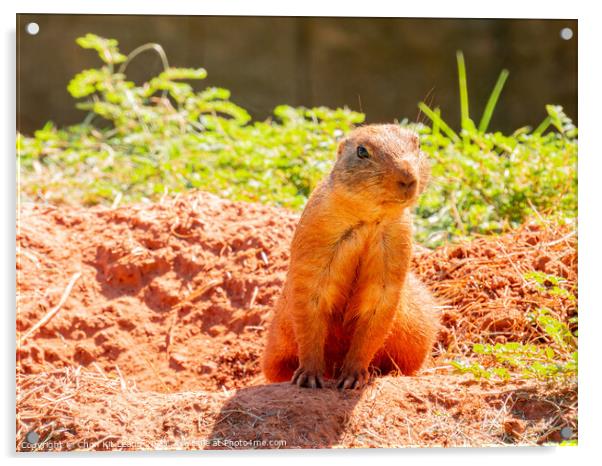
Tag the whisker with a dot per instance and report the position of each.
(428, 99)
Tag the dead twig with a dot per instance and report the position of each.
(198, 293)
(53, 311)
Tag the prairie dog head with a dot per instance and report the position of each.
(382, 165)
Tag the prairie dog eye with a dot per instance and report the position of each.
(362, 152)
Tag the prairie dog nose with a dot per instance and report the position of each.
(406, 180)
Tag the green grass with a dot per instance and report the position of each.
(139, 142)
(555, 359)
(485, 182)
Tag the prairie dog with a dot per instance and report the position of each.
(349, 301)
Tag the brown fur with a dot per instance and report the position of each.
(349, 300)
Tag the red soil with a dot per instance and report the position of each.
(174, 297)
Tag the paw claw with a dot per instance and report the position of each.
(306, 378)
(353, 379)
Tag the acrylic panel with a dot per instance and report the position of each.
(295, 232)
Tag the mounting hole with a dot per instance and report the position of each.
(566, 433)
(32, 28)
(566, 33)
(32, 437)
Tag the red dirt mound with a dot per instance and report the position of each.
(79, 410)
(173, 295)
(487, 291)
(138, 324)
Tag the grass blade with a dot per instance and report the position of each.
(543, 126)
(492, 102)
(464, 113)
(436, 118)
(437, 112)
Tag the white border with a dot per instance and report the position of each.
(590, 154)
(384, 8)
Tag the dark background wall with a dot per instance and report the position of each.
(386, 64)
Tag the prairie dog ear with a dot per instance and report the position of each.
(415, 142)
(341, 148)
(424, 171)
